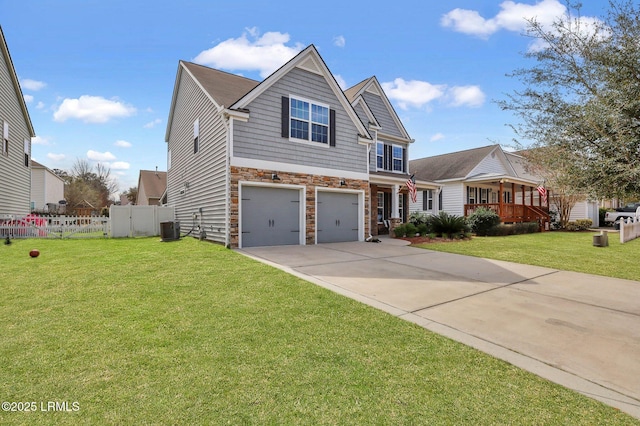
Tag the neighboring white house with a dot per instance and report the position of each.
(487, 177)
(47, 188)
(15, 140)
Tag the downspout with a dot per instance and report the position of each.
(227, 177)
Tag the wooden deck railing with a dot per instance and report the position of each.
(514, 213)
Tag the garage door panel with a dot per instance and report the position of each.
(270, 216)
(337, 217)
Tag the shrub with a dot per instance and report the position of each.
(410, 229)
(482, 219)
(417, 218)
(423, 229)
(399, 231)
(503, 230)
(601, 213)
(446, 224)
(584, 224)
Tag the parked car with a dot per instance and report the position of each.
(613, 218)
(630, 207)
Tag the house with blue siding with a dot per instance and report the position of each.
(15, 141)
(281, 161)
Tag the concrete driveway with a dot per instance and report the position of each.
(578, 330)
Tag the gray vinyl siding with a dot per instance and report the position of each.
(15, 177)
(260, 137)
(382, 114)
(205, 171)
(362, 115)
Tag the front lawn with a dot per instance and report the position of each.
(569, 251)
(136, 331)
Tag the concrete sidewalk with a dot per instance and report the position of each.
(578, 330)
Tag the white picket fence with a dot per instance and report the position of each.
(33, 226)
(124, 221)
(629, 229)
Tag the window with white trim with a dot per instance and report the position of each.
(5, 138)
(309, 121)
(26, 152)
(196, 136)
(380, 155)
(168, 159)
(427, 200)
(398, 159)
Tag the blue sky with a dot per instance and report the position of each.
(98, 76)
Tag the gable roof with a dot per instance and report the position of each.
(233, 92)
(154, 183)
(16, 84)
(371, 85)
(224, 88)
(309, 60)
(455, 165)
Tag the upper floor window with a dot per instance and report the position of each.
(390, 157)
(5, 138)
(196, 136)
(26, 152)
(398, 159)
(309, 121)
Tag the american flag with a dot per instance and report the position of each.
(543, 193)
(411, 184)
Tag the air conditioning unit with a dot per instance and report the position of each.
(170, 231)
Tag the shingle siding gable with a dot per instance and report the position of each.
(382, 114)
(261, 137)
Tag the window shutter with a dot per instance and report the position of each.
(285, 117)
(404, 160)
(332, 127)
(424, 201)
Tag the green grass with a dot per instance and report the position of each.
(569, 251)
(142, 332)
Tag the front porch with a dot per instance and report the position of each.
(514, 203)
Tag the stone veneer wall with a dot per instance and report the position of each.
(310, 181)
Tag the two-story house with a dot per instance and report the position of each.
(282, 161)
(15, 141)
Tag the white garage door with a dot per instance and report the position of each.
(337, 217)
(270, 216)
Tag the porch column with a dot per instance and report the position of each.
(523, 197)
(395, 211)
(531, 196)
(500, 199)
(513, 193)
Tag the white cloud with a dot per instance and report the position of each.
(413, 93)
(39, 140)
(56, 157)
(512, 17)
(32, 84)
(119, 165)
(152, 124)
(92, 109)
(123, 144)
(264, 53)
(471, 96)
(341, 82)
(418, 94)
(100, 156)
(28, 98)
(339, 41)
(40, 105)
(436, 137)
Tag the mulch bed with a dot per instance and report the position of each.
(428, 240)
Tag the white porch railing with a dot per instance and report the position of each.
(54, 227)
(629, 229)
